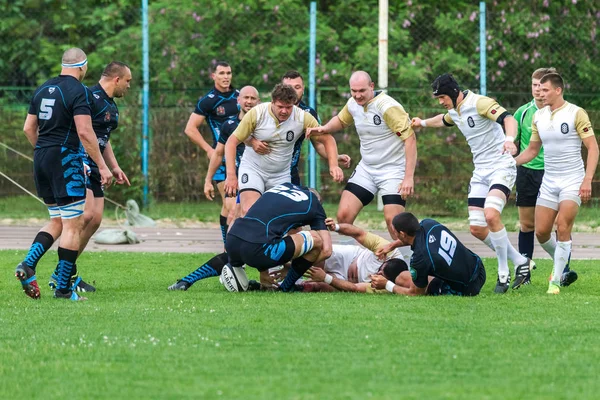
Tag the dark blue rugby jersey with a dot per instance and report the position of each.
(226, 130)
(105, 115)
(218, 107)
(298, 144)
(278, 210)
(56, 103)
(437, 252)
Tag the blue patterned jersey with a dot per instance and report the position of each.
(298, 145)
(218, 107)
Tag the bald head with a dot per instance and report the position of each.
(74, 63)
(73, 56)
(362, 87)
(247, 99)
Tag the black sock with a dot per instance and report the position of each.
(41, 244)
(66, 263)
(299, 267)
(212, 267)
(224, 227)
(526, 240)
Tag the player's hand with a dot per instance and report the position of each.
(266, 279)
(120, 177)
(316, 274)
(231, 186)
(318, 130)
(510, 148)
(585, 191)
(260, 147)
(344, 160)
(416, 122)
(330, 223)
(378, 281)
(381, 252)
(209, 190)
(406, 188)
(106, 176)
(86, 167)
(280, 274)
(337, 174)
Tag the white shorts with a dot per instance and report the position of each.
(484, 178)
(386, 181)
(250, 177)
(556, 189)
(342, 256)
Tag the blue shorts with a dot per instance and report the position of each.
(220, 175)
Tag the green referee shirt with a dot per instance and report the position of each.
(524, 117)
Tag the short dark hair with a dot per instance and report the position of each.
(406, 222)
(292, 74)
(555, 80)
(393, 267)
(284, 93)
(540, 72)
(115, 69)
(219, 64)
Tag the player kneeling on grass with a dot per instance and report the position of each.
(350, 266)
(259, 238)
(436, 252)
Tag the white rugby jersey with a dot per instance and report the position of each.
(476, 117)
(342, 256)
(382, 126)
(264, 126)
(561, 132)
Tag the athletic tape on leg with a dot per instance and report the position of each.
(72, 210)
(307, 244)
(477, 218)
(495, 202)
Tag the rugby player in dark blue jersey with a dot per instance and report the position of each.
(260, 239)
(58, 124)
(247, 99)
(437, 253)
(216, 107)
(114, 83)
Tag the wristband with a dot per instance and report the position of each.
(389, 286)
(423, 123)
(328, 279)
(509, 139)
(337, 228)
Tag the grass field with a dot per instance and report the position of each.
(134, 339)
(21, 208)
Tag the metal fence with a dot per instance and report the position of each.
(261, 44)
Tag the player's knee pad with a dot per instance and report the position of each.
(54, 212)
(477, 218)
(495, 202)
(307, 244)
(72, 210)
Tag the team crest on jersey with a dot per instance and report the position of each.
(107, 116)
(96, 96)
(471, 122)
(51, 90)
(220, 110)
(431, 239)
(377, 120)
(289, 136)
(210, 96)
(244, 178)
(564, 128)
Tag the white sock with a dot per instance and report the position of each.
(500, 242)
(561, 257)
(550, 246)
(514, 256)
(488, 241)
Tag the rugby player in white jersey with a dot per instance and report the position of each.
(388, 150)
(280, 124)
(481, 120)
(561, 127)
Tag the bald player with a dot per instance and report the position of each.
(279, 123)
(388, 148)
(58, 125)
(483, 121)
(561, 127)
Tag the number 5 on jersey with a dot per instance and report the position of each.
(46, 109)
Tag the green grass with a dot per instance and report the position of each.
(135, 339)
(21, 208)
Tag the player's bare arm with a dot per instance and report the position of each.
(510, 128)
(529, 153)
(585, 191)
(319, 275)
(231, 183)
(379, 282)
(111, 161)
(334, 125)
(31, 129)
(433, 122)
(192, 130)
(260, 147)
(213, 165)
(89, 141)
(406, 189)
(331, 155)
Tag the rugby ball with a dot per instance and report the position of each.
(234, 278)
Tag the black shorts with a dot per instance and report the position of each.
(261, 256)
(439, 287)
(528, 185)
(94, 182)
(59, 175)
